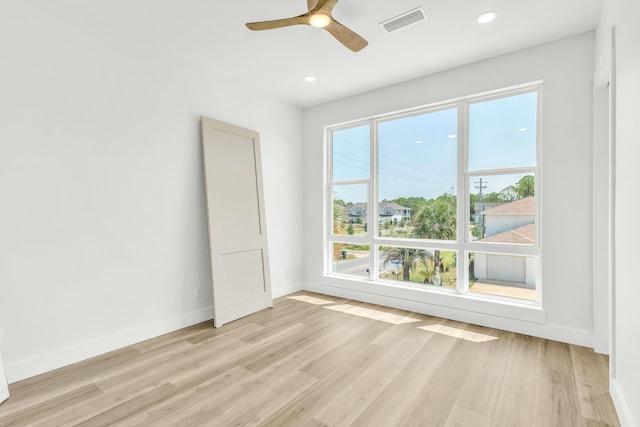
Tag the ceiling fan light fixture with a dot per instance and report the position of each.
(318, 14)
(319, 20)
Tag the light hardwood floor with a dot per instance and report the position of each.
(315, 360)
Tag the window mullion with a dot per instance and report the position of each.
(463, 198)
(373, 201)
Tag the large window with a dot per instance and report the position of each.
(440, 198)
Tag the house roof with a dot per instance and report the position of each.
(524, 206)
(524, 235)
(382, 205)
(486, 206)
(394, 205)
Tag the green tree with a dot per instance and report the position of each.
(436, 221)
(447, 197)
(473, 199)
(476, 231)
(350, 229)
(525, 186)
(409, 257)
(414, 203)
(338, 210)
(493, 197)
(509, 194)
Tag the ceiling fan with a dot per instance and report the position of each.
(319, 16)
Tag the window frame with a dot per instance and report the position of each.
(463, 245)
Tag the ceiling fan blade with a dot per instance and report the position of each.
(317, 7)
(346, 36)
(279, 23)
(325, 6)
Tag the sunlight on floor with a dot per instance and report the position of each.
(310, 299)
(382, 316)
(458, 333)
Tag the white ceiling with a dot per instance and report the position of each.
(211, 34)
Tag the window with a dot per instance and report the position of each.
(417, 162)
(441, 198)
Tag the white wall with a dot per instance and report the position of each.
(495, 224)
(625, 353)
(103, 235)
(505, 267)
(566, 67)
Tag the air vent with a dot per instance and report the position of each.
(403, 21)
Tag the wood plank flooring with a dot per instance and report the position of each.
(315, 360)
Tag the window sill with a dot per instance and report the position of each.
(441, 301)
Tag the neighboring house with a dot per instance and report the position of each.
(519, 271)
(525, 234)
(508, 216)
(393, 212)
(388, 212)
(479, 207)
(508, 223)
(357, 213)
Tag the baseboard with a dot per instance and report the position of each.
(621, 404)
(26, 368)
(546, 331)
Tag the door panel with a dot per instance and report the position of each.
(235, 211)
(238, 188)
(247, 294)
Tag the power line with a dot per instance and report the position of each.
(393, 174)
(389, 158)
(414, 167)
(481, 185)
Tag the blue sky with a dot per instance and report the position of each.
(417, 154)
(502, 133)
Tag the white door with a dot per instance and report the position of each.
(4, 388)
(235, 208)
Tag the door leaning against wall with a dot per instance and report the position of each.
(235, 213)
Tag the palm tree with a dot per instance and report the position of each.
(409, 257)
(436, 221)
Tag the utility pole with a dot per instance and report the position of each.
(481, 185)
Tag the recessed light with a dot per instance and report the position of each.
(310, 79)
(453, 136)
(486, 17)
(418, 142)
(522, 130)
